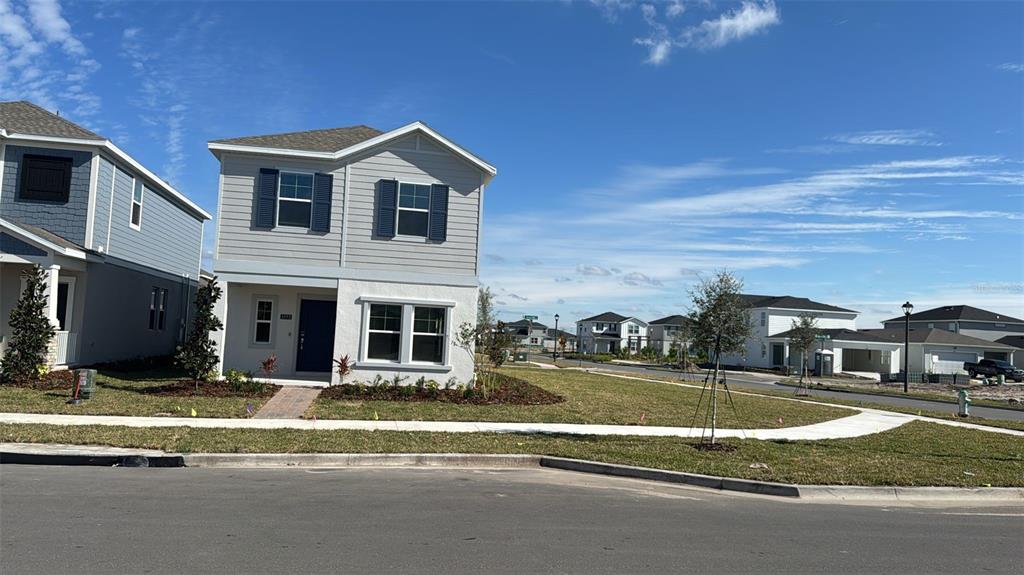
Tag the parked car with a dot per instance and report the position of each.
(993, 368)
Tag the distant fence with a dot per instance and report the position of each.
(922, 377)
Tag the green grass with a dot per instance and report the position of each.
(915, 454)
(936, 413)
(591, 398)
(119, 394)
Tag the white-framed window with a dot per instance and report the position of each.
(764, 350)
(294, 199)
(263, 322)
(158, 309)
(428, 334)
(634, 329)
(135, 219)
(952, 326)
(384, 337)
(413, 209)
(533, 341)
(764, 318)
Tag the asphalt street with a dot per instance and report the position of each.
(763, 382)
(115, 520)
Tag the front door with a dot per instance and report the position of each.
(778, 353)
(316, 335)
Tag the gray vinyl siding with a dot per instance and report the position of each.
(67, 220)
(238, 239)
(101, 217)
(170, 240)
(457, 255)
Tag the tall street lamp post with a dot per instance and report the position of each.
(908, 308)
(554, 352)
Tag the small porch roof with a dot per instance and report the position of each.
(38, 238)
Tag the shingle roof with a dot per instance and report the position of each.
(842, 334)
(328, 140)
(936, 336)
(27, 118)
(526, 323)
(551, 332)
(45, 234)
(788, 302)
(672, 320)
(957, 312)
(1016, 341)
(607, 316)
(606, 334)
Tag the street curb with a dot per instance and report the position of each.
(696, 479)
(360, 460)
(918, 494)
(910, 397)
(99, 460)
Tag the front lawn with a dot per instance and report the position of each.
(591, 398)
(127, 393)
(914, 454)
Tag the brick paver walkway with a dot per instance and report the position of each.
(289, 403)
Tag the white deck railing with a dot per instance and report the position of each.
(67, 347)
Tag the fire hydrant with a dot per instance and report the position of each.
(963, 403)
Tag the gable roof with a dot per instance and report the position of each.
(44, 238)
(607, 316)
(957, 312)
(352, 140)
(552, 332)
(27, 118)
(1012, 340)
(672, 320)
(329, 140)
(788, 302)
(936, 336)
(526, 324)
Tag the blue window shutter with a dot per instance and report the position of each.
(387, 205)
(266, 198)
(438, 231)
(321, 219)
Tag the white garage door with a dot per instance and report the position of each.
(950, 361)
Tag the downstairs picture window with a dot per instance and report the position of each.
(406, 333)
(428, 334)
(385, 334)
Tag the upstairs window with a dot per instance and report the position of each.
(764, 318)
(45, 179)
(413, 209)
(136, 215)
(634, 329)
(295, 199)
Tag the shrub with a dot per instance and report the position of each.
(198, 356)
(31, 330)
(343, 367)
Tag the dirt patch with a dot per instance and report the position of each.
(507, 391)
(54, 380)
(187, 388)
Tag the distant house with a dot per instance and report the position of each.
(527, 334)
(551, 337)
(934, 350)
(962, 319)
(667, 333)
(120, 247)
(610, 332)
(1016, 341)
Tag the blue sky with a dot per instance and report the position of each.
(860, 154)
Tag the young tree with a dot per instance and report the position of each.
(198, 356)
(802, 334)
(485, 319)
(719, 323)
(31, 330)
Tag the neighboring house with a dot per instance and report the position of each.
(668, 333)
(551, 337)
(942, 351)
(527, 334)
(349, 241)
(120, 247)
(610, 332)
(962, 319)
(852, 351)
(773, 315)
(1016, 341)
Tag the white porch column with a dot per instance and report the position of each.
(52, 276)
(220, 309)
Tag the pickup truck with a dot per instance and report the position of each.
(994, 368)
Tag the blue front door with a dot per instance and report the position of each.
(316, 335)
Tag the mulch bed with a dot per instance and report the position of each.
(187, 388)
(509, 391)
(54, 380)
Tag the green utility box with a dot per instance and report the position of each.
(520, 356)
(85, 383)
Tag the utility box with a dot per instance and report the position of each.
(84, 384)
(520, 356)
(823, 363)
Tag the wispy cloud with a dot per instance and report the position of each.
(1016, 67)
(750, 18)
(889, 138)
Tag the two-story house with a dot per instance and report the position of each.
(668, 333)
(120, 247)
(962, 319)
(349, 241)
(528, 334)
(610, 332)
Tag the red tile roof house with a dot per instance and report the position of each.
(349, 241)
(120, 247)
